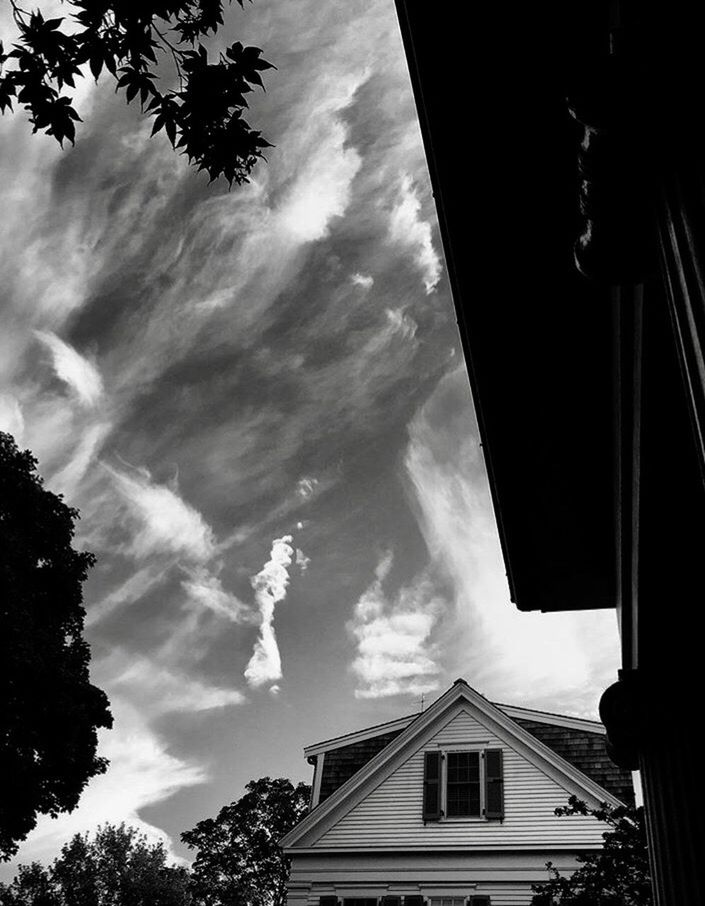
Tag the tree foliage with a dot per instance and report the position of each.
(118, 867)
(617, 875)
(238, 858)
(49, 711)
(202, 116)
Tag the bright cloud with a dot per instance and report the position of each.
(321, 189)
(76, 371)
(270, 585)
(394, 654)
(142, 773)
(11, 418)
(306, 487)
(407, 228)
(163, 522)
(364, 280)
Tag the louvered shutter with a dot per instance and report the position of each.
(432, 786)
(494, 784)
(413, 900)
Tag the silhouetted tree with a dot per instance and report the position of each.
(49, 711)
(238, 858)
(202, 116)
(32, 886)
(118, 867)
(617, 875)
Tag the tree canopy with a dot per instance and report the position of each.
(238, 858)
(49, 711)
(117, 867)
(202, 114)
(617, 875)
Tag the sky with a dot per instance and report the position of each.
(258, 402)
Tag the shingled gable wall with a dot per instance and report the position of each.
(587, 751)
(340, 764)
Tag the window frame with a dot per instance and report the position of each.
(474, 748)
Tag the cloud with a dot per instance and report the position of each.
(364, 280)
(76, 371)
(270, 585)
(68, 478)
(401, 323)
(321, 189)
(302, 561)
(141, 773)
(162, 690)
(394, 653)
(406, 228)
(306, 487)
(206, 590)
(11, 418)
(128, 592)
(163, 522)
(549, 660)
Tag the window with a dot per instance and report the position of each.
(463, 784)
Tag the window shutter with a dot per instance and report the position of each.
(432, 786)
(494, 785)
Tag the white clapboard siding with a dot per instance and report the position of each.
(390, 816)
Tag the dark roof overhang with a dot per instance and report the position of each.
(501, 146)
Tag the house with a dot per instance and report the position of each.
(450, 807)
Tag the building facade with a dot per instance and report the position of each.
(451, 807)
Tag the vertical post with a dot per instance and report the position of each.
(628, 307)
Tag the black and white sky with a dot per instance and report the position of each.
(257, 400)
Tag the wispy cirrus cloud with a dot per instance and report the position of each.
(67, 480)
(162, 521)
(76, 371)
(142, 773)
(270, 585)
(394, 649)
(129, 591)
(206, 590)
(163, 689)
(407, 228)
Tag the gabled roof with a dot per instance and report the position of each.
(400, 723)
(391, 726)
(356, 787)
